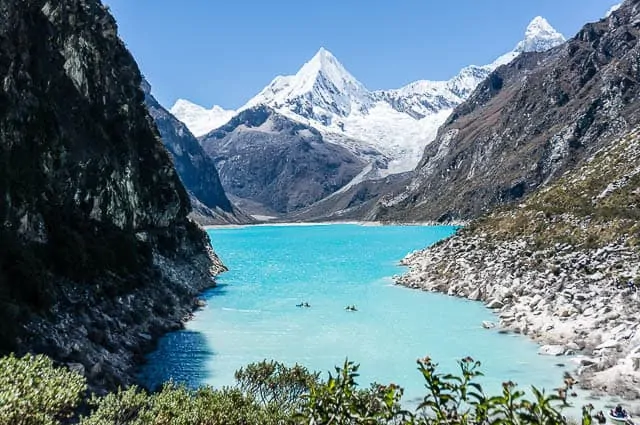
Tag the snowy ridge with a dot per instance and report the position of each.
(398, 123)
(612, 9)
(200, 120)
(321, 89)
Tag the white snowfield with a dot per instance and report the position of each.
(399, 123)
(200, 120)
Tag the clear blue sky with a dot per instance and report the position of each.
(224, 51)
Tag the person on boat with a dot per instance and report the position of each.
(619, 412)
(306, 304)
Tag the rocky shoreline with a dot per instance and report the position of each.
(582, 302)
(105, 338)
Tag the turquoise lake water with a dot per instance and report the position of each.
(252, 315)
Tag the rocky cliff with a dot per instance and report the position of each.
(97, 255)
(527, 123)
(195, 168)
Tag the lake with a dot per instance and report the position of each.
(252, 315)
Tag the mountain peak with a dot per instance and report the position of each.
(320, 89)
(323, 54)
(538, 24)
(199, 119)
(539, 36)
(324, 65)
(183, 104)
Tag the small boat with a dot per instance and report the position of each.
(619, 416)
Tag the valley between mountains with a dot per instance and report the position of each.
(535, 150)
(104, 191)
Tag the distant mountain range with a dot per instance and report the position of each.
(397, 123)
(277, 154)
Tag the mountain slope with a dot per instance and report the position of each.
(196, 170)
(281, 164)
(528, 122)
(353, 202)
(97, 255)
(561, 267)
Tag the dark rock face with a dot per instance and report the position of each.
(97, 255)
(527, 123)
(196, 170)
(278, 163)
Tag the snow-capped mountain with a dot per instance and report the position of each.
(321, 90)
(200, 120)
(539, 37)
(423, 98)
(398, 123)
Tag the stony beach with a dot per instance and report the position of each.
(582, 303)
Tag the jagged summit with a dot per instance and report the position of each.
(539, 37)
(323, 62)
(321, 88)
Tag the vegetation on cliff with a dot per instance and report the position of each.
(594, 205)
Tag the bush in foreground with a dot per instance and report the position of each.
(34, 391)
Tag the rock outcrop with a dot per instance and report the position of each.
(97, 255)
(527, 123)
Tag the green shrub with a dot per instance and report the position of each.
(339, 401)
(34, 392)
(459, 399)
(274, 384)
(177, 405)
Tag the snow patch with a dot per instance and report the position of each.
(612, 9)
